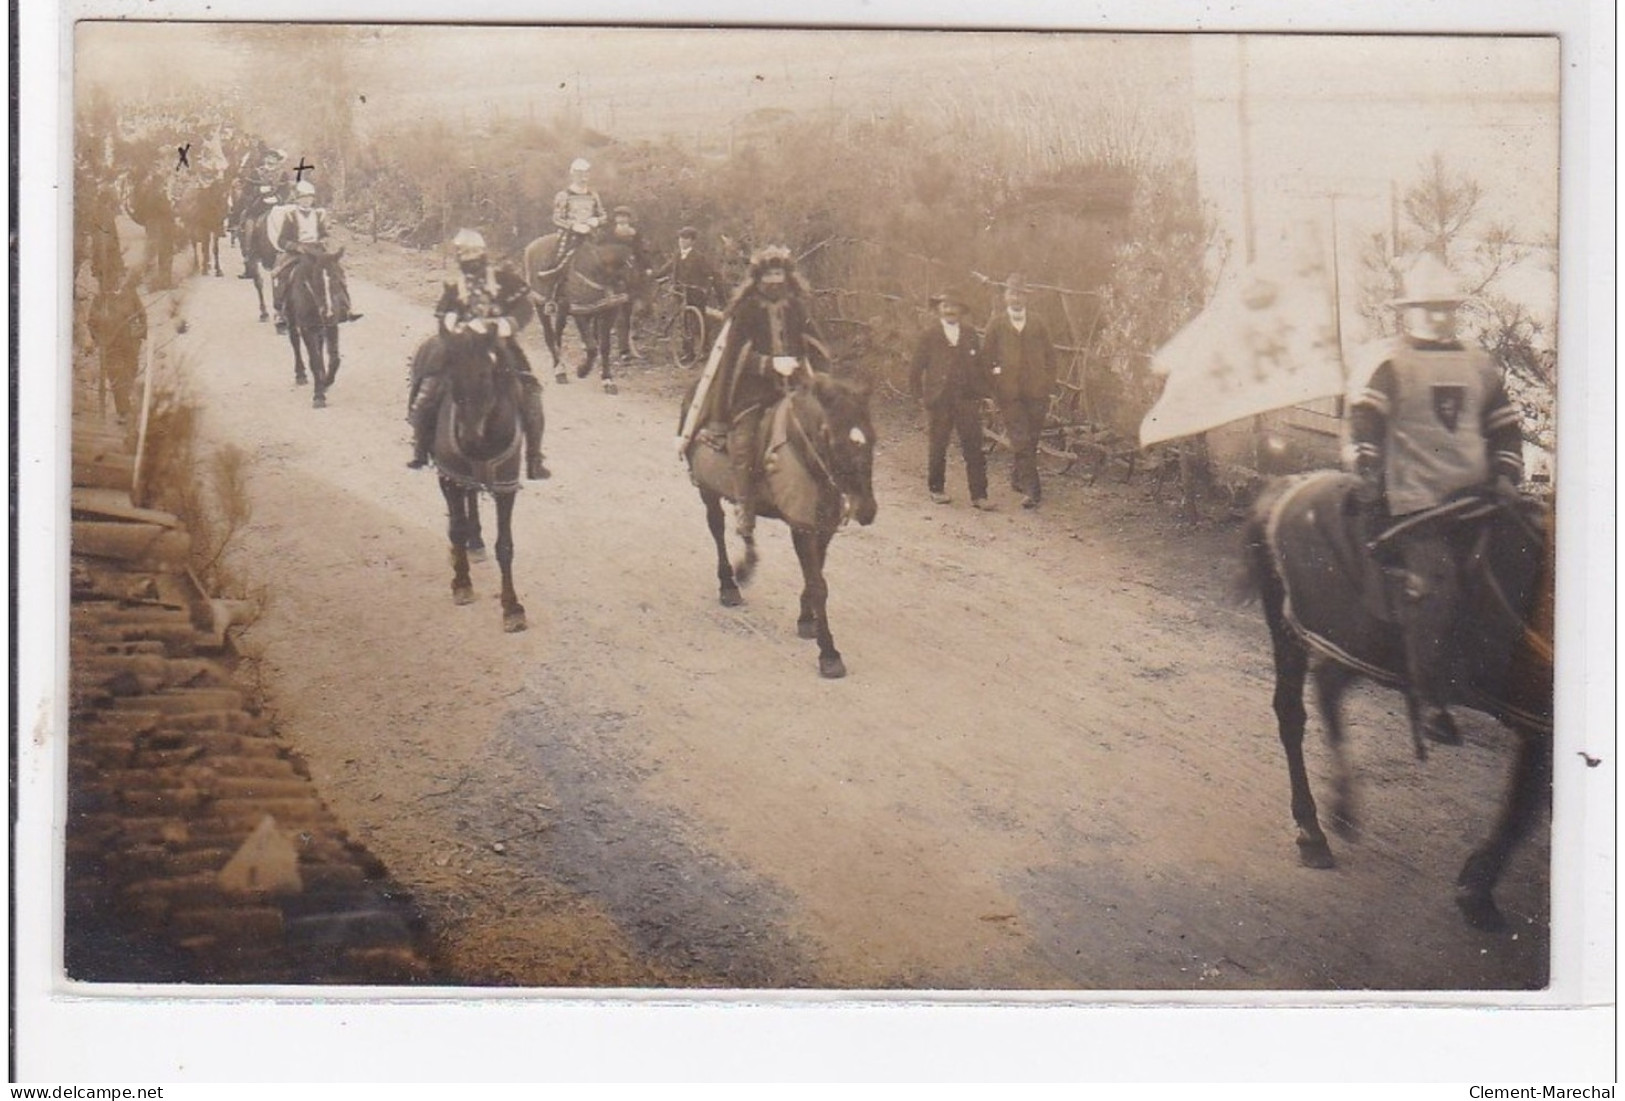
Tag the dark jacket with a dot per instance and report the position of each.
(941, 372)
(1022, 364)
(693, 272)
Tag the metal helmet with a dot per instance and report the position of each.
(468, 245)
(1429, 297)
(304, 187)
(579, 165)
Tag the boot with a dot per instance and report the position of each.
(533, 422)
(423, 417)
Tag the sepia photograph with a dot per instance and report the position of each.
(913, 514)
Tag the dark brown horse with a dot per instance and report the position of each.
(202, 214)
(818, 447)
(477, 447)
(151, 208)
(1327, 604)
(591, 286)
(314, 304)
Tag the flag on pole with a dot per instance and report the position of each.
(1264, 342)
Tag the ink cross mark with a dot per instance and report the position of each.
(181, 151)
(301, 168)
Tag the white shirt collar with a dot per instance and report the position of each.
(951, 332)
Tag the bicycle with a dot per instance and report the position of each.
(688, 326)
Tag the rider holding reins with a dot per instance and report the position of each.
(482, 304)
(297, 231)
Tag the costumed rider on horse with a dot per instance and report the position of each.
(772, 346)
(490, 305)
(577, 212)
(1434, 420)
(301, 230)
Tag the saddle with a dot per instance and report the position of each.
(1321, 538)
(791, 490)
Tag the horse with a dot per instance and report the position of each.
(314, 304)
(477, 446)
(152, 209)
(817, 451)
(259, 254)
(202, 212)
(593, 288)
(1327, 602)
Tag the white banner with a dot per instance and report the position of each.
(1263, 343)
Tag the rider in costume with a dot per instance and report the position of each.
(482, 302)
(1434, 419)
(577, 211)
(773, 344)
(299, 230)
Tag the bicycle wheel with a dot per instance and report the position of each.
(687, 333)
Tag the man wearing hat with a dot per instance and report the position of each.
(696, 283)
(623, 232)
(772, 344)
(481, 303)
(296, 230)
(1020, 358)
(577, 211)
(1434, 419)
(947, 376)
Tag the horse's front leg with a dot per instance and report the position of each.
(318, 366)
(259, 286)
(473, 537)
(458, 506)
(1529, 787)
(513, 612)
(717, 521)
(331, 333)
(553, 336)
(586, 325)
(811, 550)
(300, 378)
(605, 323)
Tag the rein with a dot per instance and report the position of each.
(1540, 645)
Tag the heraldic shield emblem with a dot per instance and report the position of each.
(1447, 404)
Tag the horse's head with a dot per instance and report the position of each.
(850, 438)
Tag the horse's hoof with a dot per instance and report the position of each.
(264, 318)
(301, 380)
(476, 552)
(463, 595)
(561, 378)
(318, 402)
(584, 370)
(806, 628)
(1480, 910)
(610, 387)
(729, 596)
(1315, 854)
(514, 622)
(831, 667)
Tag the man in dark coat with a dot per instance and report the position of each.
(695, 282)
(1021, 358)
(623, 232)
(948, 377)
(773, 344)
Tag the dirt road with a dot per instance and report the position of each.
(1052, 765)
